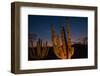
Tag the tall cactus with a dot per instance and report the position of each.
(40, 51)
(62, 48)
(58, 50)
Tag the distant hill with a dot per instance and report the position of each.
(83, 40)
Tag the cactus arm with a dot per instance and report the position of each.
(71, 52)
(38, 47)
(45, 50)
(46, 53)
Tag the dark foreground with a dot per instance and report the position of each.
(80, 51)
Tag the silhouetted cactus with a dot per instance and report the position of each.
(41, 50)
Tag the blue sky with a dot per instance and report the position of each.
(41, 26)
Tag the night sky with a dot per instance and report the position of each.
(41, 26)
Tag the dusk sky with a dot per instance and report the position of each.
(41, 26)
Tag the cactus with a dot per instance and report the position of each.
(58, 50)
(62, 48)
(41, 50)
